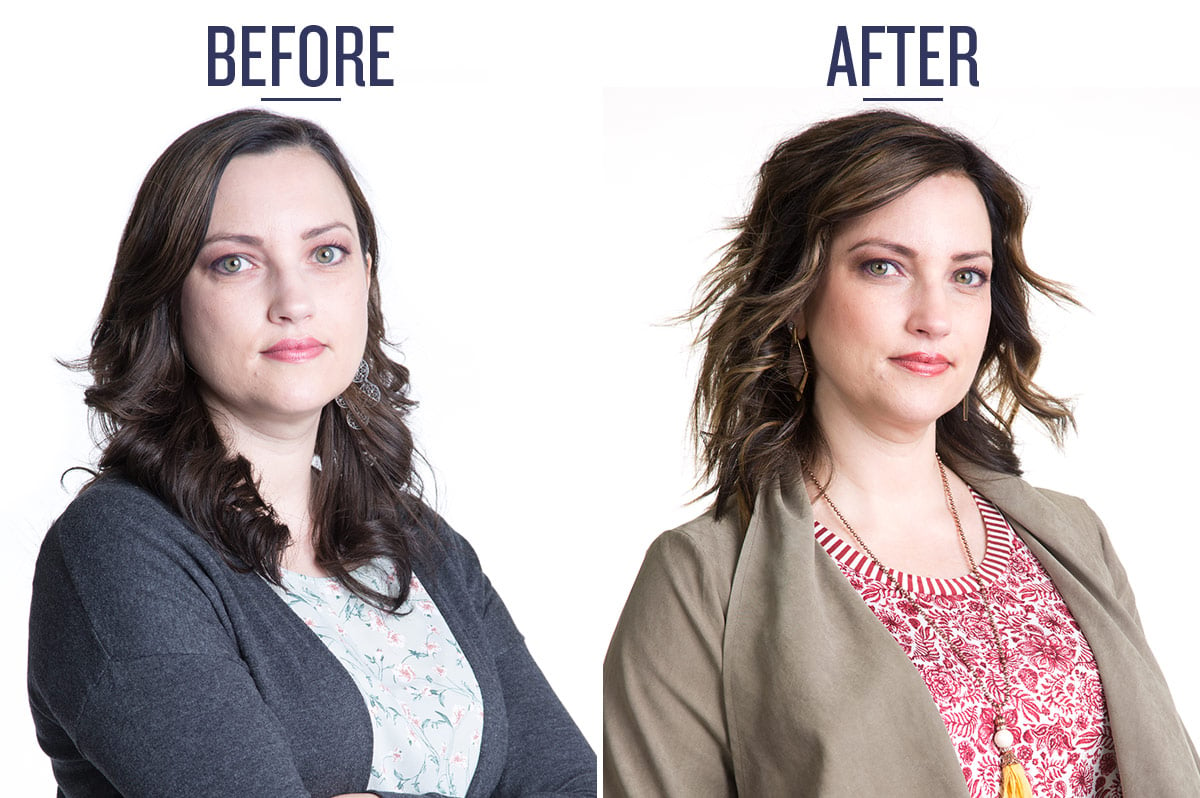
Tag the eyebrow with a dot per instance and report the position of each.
(908, 252)
(255, 241)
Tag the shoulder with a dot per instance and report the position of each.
(113, 528)
(685, 580)
(112, 518)
(1076, 529)
(1071, 506)
(121, 574)
(699, 558)
(717, 540)
(1040, 510)
(449, 568)
(106, 500)
(451, 573)
(1065, 527)
(440, 551)
(119, 577)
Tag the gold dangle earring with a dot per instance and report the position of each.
(798, 372)
(966, 402)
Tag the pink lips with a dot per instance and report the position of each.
(295, 350)
(922, 363)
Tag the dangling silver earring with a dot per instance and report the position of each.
(356, 419)
(798, 372)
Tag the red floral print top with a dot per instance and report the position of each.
(1057, 713)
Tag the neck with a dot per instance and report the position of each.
(889, 490)
(880, 468)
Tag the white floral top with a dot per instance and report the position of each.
(419, 688)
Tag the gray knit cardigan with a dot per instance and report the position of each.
(155, 669)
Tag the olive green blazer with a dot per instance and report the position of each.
(744, 663)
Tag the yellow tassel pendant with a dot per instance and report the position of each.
(1013, 781)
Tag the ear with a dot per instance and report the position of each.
(370, 267)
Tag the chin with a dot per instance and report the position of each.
(920, 415)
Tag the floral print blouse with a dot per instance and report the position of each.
(421, 693)
(1057, 714)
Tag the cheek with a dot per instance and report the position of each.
(853, 323)
(211, 327)
(361, 303)
(981, 322)
(354, 308)
(975, 327)
(192, 323)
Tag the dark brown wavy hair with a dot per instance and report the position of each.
(154, 430)
(750, 427)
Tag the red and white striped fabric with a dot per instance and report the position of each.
(1057, 714)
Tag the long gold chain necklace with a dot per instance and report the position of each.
(1014, 782)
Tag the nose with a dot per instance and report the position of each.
(291, 299)
(929, 314)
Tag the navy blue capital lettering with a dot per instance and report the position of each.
(225, 55)
(249, 55)
(927, 54)
(964, 44)
(901, 32)
(969, 55)
(869, 55)
(377, 54)
(277, 52)
(319, 56)
(843, 58)
(354, 56)
(322, 59)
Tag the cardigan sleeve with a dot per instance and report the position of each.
(135, 682)
(665, 730)
(543, 753)
(547, 754)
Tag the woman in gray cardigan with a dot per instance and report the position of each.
(250, 598)
(877, 604)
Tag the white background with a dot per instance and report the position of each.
(550, 181)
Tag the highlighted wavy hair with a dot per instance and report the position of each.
(749, 427)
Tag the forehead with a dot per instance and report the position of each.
(944, 210)
(295, 183)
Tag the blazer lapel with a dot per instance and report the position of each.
(1154, 753)
(820, 699)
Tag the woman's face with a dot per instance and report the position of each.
(900, 319)
(274, 310)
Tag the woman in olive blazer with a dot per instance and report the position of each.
(720, 680)
(867, 345)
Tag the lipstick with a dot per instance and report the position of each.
(922, 363)
(294, 350)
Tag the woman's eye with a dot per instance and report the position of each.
(970, 277)
(328, 255)
(231, 264)
(880, 268)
